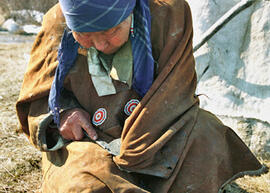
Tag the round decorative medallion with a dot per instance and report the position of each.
(99, 117)
(130, 106)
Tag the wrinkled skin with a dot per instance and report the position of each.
(108, 41)
(73, 121)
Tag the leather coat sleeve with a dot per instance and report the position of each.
(44, 133)
(32, 105)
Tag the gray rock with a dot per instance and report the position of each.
(25, 11)
(11, 26)
(38, 5)
(31, 29)
(27, 16)
(234, 67)
(255, 133)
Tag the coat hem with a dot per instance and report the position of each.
(263, 170)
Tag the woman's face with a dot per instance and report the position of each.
(108, 41)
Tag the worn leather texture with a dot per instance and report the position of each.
(168, 143)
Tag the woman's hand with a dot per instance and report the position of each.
(73, 122)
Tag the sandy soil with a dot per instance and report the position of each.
(19, 161)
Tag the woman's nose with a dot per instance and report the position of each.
(100, 44)
(87, 44)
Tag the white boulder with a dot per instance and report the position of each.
(31, 29)
(234, 67)
(11, 26)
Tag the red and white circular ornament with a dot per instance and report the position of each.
(99, 117)
(130, 106)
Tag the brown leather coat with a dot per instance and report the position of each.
(169, 143)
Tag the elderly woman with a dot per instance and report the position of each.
(103, 69)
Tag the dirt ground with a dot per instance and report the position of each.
(20, 168)
(19, 161)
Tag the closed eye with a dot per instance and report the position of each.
(111, 32)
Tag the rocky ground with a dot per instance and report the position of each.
(20, 170)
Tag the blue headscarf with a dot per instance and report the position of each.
(95, 15)
(100, 15)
